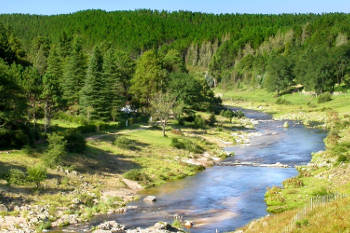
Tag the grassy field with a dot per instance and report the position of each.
(296, 106)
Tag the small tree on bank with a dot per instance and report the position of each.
(162, 105)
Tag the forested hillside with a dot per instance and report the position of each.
(92, 63)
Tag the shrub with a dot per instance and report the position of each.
(325, 97)
(16, 176)
(293, 182)
(186, 145)
(72, 118)
(87, 199)
(199, 122)
(341, 149)
(87, 129)
(56, 150)
(75, 141)
(36, 174)
(282, 101)
(10, 138)
(124, 143)
(212, 119)
(321, 192)
(137, 175)
(238, 114)
(342, 159)
(332, 138)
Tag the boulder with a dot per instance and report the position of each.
(110, 227)
(150, 199)
(160, 227)
(286, 124)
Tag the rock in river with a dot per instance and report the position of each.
(150, 199)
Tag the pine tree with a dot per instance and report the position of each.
(125, 70)
(52, 94)
(74, 73)
(112, 86)
(92, 99)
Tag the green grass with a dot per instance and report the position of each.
(298, 102)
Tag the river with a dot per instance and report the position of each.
(224, 198)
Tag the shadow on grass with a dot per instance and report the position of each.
(96, 161)
(126, 143)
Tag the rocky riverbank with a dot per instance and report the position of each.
(71, 196)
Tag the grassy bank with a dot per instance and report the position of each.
(116, 165)
(295, 106)
(326, 176)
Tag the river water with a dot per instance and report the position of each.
(224, 198)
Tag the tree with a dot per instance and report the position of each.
(317, 71)
(174, 62)
(228, 114)
(112, 89)
(74, 73)
(162, 105)
(36, 174)
(52, 94)
(279, 74)
(149, 78)
(56, 150)
(92, 98)
(125, 70)
(39, 54)
(12, 101)
(32, 86)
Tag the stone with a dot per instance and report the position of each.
(286, 124)
(110, 227)
(150, 199)
(3, 208)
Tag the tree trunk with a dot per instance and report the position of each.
(47, 117)
(164, 124)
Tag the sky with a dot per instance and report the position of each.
(50, 7)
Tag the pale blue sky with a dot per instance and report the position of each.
(212, 6)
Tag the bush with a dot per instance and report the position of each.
(293, 182)
(186, 145)
(124, 143)
(16, 176)
(56, 150)
(199, 122)
(75, 141)
(10, 138)
(321, 192)
(36, 174)
(87, 199)
(87, 129)
(137, 175)
(72, 118)
(282, 101)
(325, 97)
(212, 120)
(238, 114)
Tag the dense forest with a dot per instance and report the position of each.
(89, 65)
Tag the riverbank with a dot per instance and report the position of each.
(109, 175)
(295, 106)
(318, 195)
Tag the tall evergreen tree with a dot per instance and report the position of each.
(125, 70)
(92, 99)
(52, 93)
(74, 73)
(112, 89)
(12, 101)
